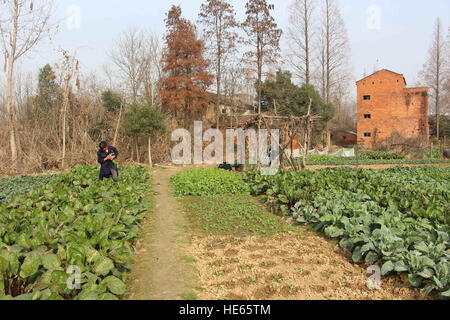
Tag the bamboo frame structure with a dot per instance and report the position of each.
(290, 127)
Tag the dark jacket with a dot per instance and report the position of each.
(106, 166)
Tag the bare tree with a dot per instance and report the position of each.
(70, 68)
(263, 36)
(219, 20)
(23, 24)
(446, 111)
(433, 72)
(130, 56)
(333, 50)
(300, 35)
(154, 69)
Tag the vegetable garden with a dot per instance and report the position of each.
(73, 222)
(397, 218)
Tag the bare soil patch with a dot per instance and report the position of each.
(286, 267)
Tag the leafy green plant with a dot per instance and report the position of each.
(74, 220)
(15, 186)
(397, 218)
(203, 182)
(379, 155)
(315, 160)
(237, 215)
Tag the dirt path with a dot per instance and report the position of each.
(161, 270)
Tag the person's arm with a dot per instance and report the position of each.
(102, 159)
(116, 152)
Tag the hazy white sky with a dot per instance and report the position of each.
(399, 41)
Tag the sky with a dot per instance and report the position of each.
(391, 34)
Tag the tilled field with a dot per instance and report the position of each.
(286, 267)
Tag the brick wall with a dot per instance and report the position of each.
(387, 108)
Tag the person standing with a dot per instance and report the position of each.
(105, 156)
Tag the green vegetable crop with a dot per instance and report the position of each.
(207, 182)
(73, 223)
(397, 218)
(11, 187)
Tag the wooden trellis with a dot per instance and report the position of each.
(290, 127)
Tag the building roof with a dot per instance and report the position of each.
(382, 70)
(345, 131)
(418, 89)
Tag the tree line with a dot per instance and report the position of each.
(154, 83)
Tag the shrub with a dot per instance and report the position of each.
(206, 182)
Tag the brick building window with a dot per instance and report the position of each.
(367, 97)
(367, 116)
(367, 134)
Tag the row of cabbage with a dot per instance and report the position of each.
(318, 160)
(14, 186)
(396, 218)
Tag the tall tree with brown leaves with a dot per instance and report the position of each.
(263, 36)
(447, 77)
(185, 78)
(219, 27)
(433, 73)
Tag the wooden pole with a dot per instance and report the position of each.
(307, 135)
(150, 162)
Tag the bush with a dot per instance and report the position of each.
(111, 101)
(207, 182)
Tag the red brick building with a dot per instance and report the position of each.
(343, 138)
(388, 109)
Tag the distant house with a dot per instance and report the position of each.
(387, 108)
(237, 105)
(344, 138)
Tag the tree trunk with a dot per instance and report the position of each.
(116, 132)
(11, 108)
(307, 22)
(438, 129)
(218, 93)
(150, 162)
(64, 122)
(307, 136)
(138, 158)
(10, 100)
